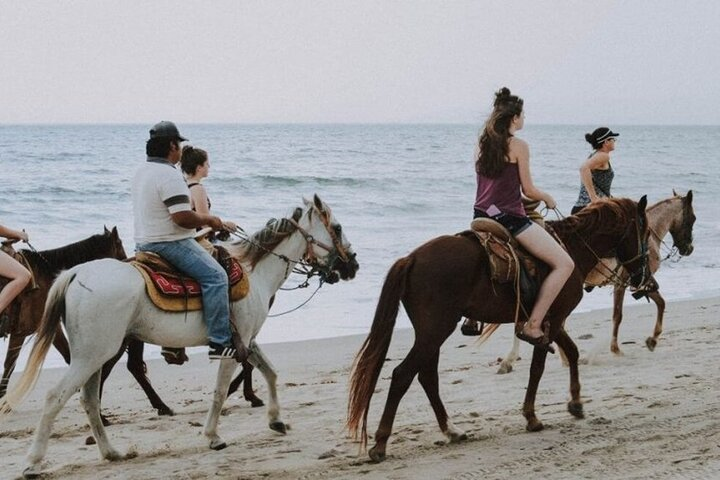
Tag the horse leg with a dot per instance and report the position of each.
(248, 393)
(537, 367)
(225, 372)
(402, 377)
(14, 345)
(61, 344)
(90, 400)
(571, 354)
(506, 366)
(262, 363)
(651, 342)
(428, 378)
(618, 296)
(138, 369)
(55, 400)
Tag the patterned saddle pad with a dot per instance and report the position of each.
(172, 291)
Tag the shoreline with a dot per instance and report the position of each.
(152, 352)
(647, 413)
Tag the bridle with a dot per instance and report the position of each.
(337, 250)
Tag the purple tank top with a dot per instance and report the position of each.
(503, 192)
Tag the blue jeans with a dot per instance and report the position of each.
(191, 259)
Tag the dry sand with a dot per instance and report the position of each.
(648, 414)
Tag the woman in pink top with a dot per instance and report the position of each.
(503, 174)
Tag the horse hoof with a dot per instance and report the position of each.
(576, 409)
(31, 472)
(256, 402)
(535, 426)
(114, 456)
(90, 440)
(458, 437)
(376, 455)
(165, 411)
(504, 369)
(279, 427)
(651, 343)
(218, 446)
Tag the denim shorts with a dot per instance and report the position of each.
(515, 224)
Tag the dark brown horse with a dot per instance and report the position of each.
(448, 278)
(45, 266)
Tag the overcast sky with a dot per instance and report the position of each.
(128, 61)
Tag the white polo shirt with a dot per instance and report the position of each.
(159, 190)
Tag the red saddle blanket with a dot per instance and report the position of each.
(172, 291)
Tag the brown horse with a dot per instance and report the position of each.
(45, 266)
(449, 277)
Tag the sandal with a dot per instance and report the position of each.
(541, 341)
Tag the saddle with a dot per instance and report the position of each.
(172, 291)
(507, 258)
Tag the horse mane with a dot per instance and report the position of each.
(261, 243)
(52, 262)
(608, 214)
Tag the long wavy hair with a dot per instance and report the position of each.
(493, 141)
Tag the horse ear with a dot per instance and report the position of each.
(114, 232)
(674, 193)
(642, 204)
(318, 202)
(689, 196)
(106, 231)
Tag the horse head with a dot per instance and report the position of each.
(682, 225)
(632, 249)
(328, 250)
(117, 250)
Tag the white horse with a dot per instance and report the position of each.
(104, 301)
(674, 215)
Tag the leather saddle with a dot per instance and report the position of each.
(509, 262)
(172, 291)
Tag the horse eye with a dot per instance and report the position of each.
(338, 229)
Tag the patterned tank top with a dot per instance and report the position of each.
(503, 192)
(602, 181)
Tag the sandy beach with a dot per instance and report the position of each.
(648, 414)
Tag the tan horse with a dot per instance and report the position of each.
(673, 215)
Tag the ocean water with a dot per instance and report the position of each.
(391, 186)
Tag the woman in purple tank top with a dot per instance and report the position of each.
(502, 165)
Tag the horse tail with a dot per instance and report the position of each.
(369, 360)
(54, 311)
(489, 330)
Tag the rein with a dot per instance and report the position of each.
(613, 276)
(305, 265)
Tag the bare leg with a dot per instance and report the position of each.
(541, 245)
(19, 278)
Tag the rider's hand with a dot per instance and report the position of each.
(229, 226)
(215, 223)
(24, 236)
(550, 202)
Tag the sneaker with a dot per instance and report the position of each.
(221, 352)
